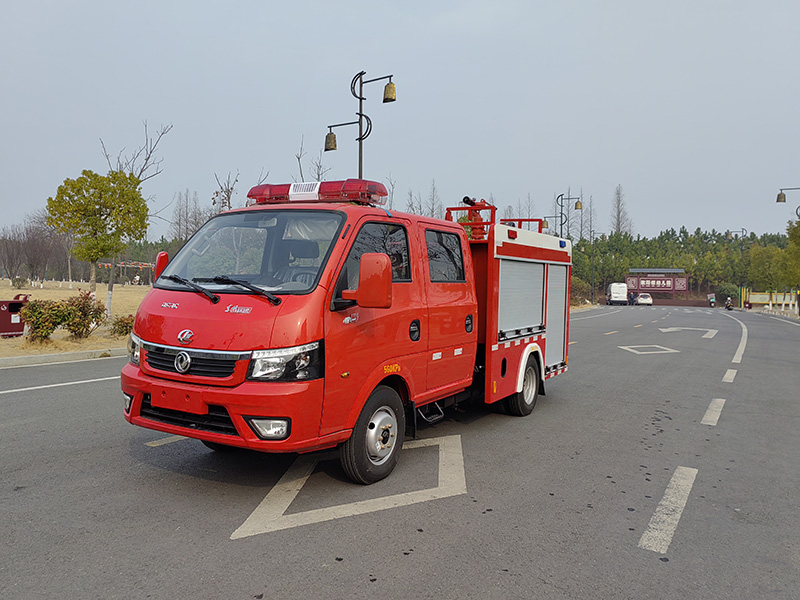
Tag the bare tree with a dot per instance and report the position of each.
(433, 205)
(392, 185)
(188, 216)
(299, 156)
(142, 162)
(11, 249)
(620, 221)
(222, 197)
(318, 170)
(414, 203)
(37, 246)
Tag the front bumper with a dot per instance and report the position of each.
(219, 414)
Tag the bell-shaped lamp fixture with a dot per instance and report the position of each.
(781, 197)
(579, 205)
(545, 224)
(330, 141)
(389, 92)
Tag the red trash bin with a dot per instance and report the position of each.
(11, 324)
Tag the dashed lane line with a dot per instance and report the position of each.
(610, 332)
(730, 375)
(664, 522)
(714, 410)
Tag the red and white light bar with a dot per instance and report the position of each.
(350, 190)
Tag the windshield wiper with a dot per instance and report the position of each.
(177, 278)
(253, 288)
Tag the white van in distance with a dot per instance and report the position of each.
(617, 293)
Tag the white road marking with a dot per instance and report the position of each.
(55, 385)
(658, 349)
(714, 410)
(737, 358)
(61, 362)
(269, 515)
(709, 333)
(605, 314)
(730, 375)
(610, 332)
(668, 512)
(785, 321)
(166, 440)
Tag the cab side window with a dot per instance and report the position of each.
(386, 238)
(445, 260)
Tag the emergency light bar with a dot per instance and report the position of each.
(350, 190)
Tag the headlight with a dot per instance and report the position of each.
(134, 346)
(288, 364)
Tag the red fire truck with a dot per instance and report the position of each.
(316, 318)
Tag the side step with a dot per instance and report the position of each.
(434, 418)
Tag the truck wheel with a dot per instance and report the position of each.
(522, 403)
(372, 451)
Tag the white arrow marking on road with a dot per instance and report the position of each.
(270, 514)
(709, 333)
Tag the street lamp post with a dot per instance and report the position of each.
(364, 122)
(546, 224)
(782, 198)
(560, 201)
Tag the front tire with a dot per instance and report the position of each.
(372, 451)
(521, 404)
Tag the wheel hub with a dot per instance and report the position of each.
(381, 435)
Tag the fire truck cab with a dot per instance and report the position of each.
(316, 318)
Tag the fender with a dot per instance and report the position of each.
(399, 368)
(538, 354)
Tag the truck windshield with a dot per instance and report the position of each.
(273, 251)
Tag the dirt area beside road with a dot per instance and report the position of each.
(125, 300)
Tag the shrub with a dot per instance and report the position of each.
(83, 314)
(726, 289)
(579, 290)
(122, 325)
(19, 282)
(42, 317)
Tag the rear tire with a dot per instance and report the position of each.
(521, 404)
(372, 451)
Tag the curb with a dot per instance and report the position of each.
(45, 359)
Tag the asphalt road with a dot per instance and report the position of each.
(663, 464)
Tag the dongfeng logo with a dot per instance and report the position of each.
(182, 362)
(185, 336)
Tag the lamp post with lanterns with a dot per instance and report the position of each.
(364, 122)
(560, 201)
(782, 198)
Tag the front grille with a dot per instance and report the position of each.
(216, 421)
(158, 359)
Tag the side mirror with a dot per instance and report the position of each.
(374, 282)
(161, 263)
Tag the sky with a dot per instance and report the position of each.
(692, 106)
